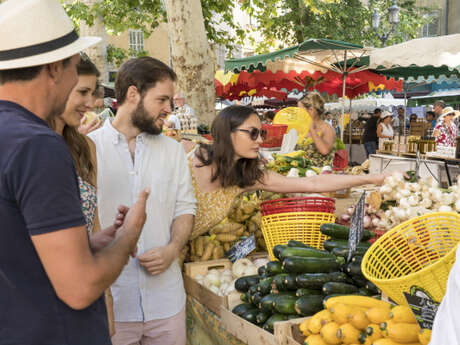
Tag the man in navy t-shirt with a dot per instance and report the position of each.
(52, 275)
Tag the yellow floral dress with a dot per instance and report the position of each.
(317, 159)
(212, 207)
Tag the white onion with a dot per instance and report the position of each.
(367, 222)
(350, 210)
(375, 221)
(346, 217)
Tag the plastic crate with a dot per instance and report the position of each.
(275, 134)
(340, 159)
(305, 204)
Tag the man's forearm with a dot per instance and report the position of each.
(181, 230)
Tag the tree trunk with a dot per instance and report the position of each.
(192, 56)
(98, 52)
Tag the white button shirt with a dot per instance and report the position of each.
(161, 164)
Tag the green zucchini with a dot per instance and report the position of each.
(343, 251)
(251, 315)
(293, 243)
(341, 232)
(343, 288)
(277, 249)
(317, 280)
(284, 304)
(279, 281)
(304, 291)
(329, 245)
(308, 305)
(242, 284)
(357, 259)
(304, 252)
(290, 282)
(372, 288)
(268, 325)
(240, 309)
(298, 264)
(365, 292)
(245, 297)
(265, 285)
(359, 280)
(262, 317)
(274, 268)
(256, 298)
(253, 289)
(293, 316)
(354, 268)
(266, 303)
(262, 271)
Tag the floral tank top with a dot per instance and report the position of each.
(212, 207)
(316, 158)
(88, 196)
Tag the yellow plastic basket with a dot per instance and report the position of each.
(416, 255)
(300, 226)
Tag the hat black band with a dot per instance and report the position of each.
(40, 48)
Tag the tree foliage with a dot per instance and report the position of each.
(293, 21)
(121, 15)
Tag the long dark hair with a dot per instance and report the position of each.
(242, 173)
(78, 143)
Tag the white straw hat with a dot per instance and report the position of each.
(37, 32)
(385, 114)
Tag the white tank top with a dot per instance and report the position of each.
(387, 130)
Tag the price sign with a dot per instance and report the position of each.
(423, 308)
(241, 249)
(356, 226)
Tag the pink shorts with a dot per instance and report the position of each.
(170, 331)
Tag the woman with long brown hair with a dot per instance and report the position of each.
(231, 165)
(83, 150)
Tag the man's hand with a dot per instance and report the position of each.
(91, 126)
(157, 260)
(102, 239)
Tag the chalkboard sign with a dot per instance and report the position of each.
(424, 309)
(356, 226)
(241, 249)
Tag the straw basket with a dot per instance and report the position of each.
(417, 255)
(279, 228)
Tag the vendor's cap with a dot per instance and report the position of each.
(37, 32)
(385, 114)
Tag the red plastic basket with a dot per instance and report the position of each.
(305, 204)
(275, 135)
(340, 160)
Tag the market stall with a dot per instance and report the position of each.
(322, 295)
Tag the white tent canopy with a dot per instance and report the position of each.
(427, 51)
(368, 104)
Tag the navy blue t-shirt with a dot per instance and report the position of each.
(38, 194)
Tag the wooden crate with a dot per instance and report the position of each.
(288, 332)
(205, 296)
(202, 294)
(245, 331)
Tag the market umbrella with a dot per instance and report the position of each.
(419, 58)
(311, 55)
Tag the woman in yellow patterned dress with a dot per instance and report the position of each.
(319, 142)
(231, 165)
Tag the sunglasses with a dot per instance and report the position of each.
(254, 133)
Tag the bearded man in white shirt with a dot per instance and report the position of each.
(149, 296)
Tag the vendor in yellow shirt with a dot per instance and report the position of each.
(319, 142)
